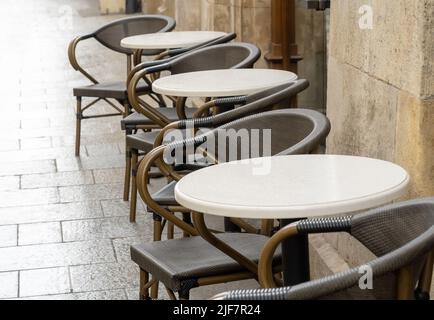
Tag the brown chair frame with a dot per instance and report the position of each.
(125, 105)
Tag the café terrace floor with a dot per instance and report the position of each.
(64, 229)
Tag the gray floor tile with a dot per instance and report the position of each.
(54, 212)
(102, 150)
(9, 183)
(9, 145)
(8, 236)
(25, 167)
(84, 296)
(32, 197)
(91, 192)
(38, 155)
(56, 255)
(31, 124)
(106, 228)
(44, 282)
(91, 163)
(104, 277)
(39, 233)
(120, 208)
(60, 179)
(35, 143)
(109, 175)
(133, 293)
(9, 285)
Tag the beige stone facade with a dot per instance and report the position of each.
(251, 20)
(381, 85)
(381, 91)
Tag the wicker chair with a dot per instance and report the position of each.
(184, 264)
(223, 56)
(275, 98)
(110, 36)
(400, 235)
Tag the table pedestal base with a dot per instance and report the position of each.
(295, 255)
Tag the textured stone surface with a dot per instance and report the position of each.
(44, 282)
(251, 21)
(107, 228)
(8, 236)
(74, 178)
(54, 212)
(55, 255)
(380, 52)
(380, 93)
(104, 277)
(9, 285)
(39, 233)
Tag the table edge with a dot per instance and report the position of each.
(294, 212)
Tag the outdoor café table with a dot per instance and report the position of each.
(168, 40)
(294, 188)
(220, 83)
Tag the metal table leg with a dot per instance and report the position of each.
(295, 255)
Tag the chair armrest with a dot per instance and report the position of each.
(155, 158)
(220, 103)
(72, 49)
(145, 65)
(326, 225)
(139, 105)
(278, 294)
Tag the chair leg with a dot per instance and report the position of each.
(133, 202)
(186, 217)
(127, 180)
(158, 229)
(127, 109)
(424, 287)
(144, 279)
(184, 295)
(79, 116)
(170, 231)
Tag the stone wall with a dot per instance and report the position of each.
(251, 20)
(381, 85)
(381, 91)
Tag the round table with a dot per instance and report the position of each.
(292, 188)
(169, 40)
(222, 83)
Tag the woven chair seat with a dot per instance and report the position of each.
(179, 263)
(114, 90)
(136, 119)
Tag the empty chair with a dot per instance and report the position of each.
(400, 235)
(223, 56)
(110, 36)
(277, 97)
(137, 120)
(184, 264)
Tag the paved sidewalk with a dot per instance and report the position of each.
(64, 229)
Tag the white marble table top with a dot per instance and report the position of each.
(295, 187)
(170, 40)
(222, 83)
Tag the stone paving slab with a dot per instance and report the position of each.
(64, 229)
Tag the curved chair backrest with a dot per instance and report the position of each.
(292, 131)
(401, 235)
(223, 56)
(274, 98)
(111, 34)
